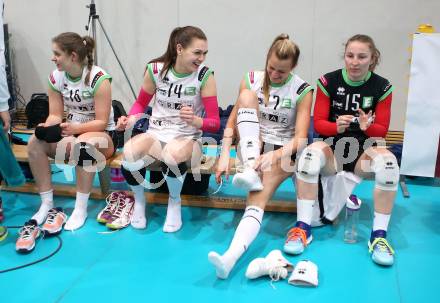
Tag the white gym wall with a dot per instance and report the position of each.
(239, 34)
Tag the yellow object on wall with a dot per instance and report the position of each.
(426, 29)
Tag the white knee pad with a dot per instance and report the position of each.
(133, 166)
(386, 171)
(309, 165)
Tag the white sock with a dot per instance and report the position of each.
(138, 220)
(246, 232)
(304, 210)
(381, 221)
(46, 205)
(79, 214)
(249, 130)
(173, 221)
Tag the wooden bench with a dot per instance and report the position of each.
(394, 137)
(207, 167)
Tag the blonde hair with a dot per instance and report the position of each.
(284, 49)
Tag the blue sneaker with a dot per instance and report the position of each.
(382, 252)
(298, 238)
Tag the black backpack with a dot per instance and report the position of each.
(37, 110)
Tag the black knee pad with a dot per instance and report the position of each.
(167, 171)
(50, 134)
(132, 180)
(86, 153)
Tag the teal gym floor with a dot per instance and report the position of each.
(151, 266)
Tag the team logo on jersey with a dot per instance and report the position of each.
(367, 102)
(286, 103)
(52, 79)
(162, 91)
(338, 105)
(96, 78)
(302, 88)
(190, 91)
(276, 118)
(155, 69)
(251, 77)
(323, 80)
(387, 87)
(87, 94)
(341, 91)
(202, 73)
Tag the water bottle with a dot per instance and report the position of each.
(352, 207)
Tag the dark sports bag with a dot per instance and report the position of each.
(37, 110)
(118, 111)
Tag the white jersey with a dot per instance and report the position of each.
(78, 97)
(278, 117)
(173, 91)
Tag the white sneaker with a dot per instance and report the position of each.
(112, 200)
(274, 265)
(122, 214)
(248, 180)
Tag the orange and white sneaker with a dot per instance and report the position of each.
(298, 238)
(27, 236)
(55, 221)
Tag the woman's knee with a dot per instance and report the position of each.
(36, 148)
(247, 98)
(386, 170)
(313, 158)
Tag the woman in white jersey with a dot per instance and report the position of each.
(85, 138)
(271, 117)
(183, 88)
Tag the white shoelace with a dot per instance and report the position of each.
(26, 231)
(51, 216)
(276, 272)
(219, 187)
(112, 201)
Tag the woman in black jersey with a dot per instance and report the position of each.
(352, 107)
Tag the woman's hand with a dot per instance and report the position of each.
(187, 114)
(6, 118)
(365, 120)
(266, 160)
(69, 129)
(125, 122)
(222, 167)
(342, 122)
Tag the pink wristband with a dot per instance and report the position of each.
(141, 102)
(211, 123)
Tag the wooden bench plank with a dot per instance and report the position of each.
(207, 167)
(394, 137)
(162, 198)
